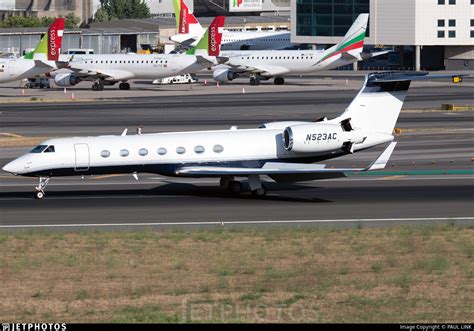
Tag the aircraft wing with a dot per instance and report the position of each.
(203, 60)
(263, 70)
(41, 64)
(285, 169)
(113, 75)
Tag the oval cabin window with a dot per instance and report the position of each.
(199, 149)
(180, 150)
(105, 153)
(218, 148)
(143, 152)
(124, 152)
(161, 151)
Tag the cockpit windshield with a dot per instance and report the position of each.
(50, 149)
(39, 149)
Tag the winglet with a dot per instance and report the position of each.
(383, 158)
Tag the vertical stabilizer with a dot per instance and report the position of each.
(186, 22)
(49, 47)
(210, 43)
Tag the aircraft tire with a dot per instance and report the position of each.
(261, 192)
(235, 187)
(39, 195)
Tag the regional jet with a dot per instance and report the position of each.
(276, 64)
(38, 62)
(108, 69)
(283, 151)
(190, 31)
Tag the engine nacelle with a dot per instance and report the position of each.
(66, 79)
(224, 75)
(313, 138)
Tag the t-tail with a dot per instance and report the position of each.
(373, 113)
(49, 47)
(349, 49)
(210, 43)
(187, 25)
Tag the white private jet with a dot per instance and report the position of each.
(108, 69)
(190, 31)
(38, 62)
(284, 151)
(267, 64)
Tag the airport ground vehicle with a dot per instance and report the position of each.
(180, 79)
(37, 82)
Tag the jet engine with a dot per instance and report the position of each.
(319, 137)
(66, 79)
(224, 75)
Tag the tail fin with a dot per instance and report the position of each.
(50, 45)
(378, 104)
(55, 39)
(210, 43)
(352, 43)
(186, 22)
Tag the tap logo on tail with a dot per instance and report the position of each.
(185, 18)
(55, 37)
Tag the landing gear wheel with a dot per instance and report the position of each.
(254, 81)
(235, 187)
(97, 87)
(279, 81)
(39, 195)
(124, 86)
(261, 192)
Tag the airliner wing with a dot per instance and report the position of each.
(114, 75)
(41, 64)
(285, 169)
(263, 70)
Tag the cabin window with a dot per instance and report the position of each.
(180, 150)
(105, 153)
(162, 151)
(50, 149)
(124, 152)
(218, 149)
(199, 149)
(143, 151)
(39, 149)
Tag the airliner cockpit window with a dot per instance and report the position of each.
(39, 149)
(50, 149)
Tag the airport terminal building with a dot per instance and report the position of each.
(426, 34)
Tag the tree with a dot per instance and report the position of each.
(121, 9)
(71, 21)
(35, 22)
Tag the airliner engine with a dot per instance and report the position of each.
(66, 79)
(315, 138)
(224, 75)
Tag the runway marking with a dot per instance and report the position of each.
(107, 176)
(391, 177)
(239, 222)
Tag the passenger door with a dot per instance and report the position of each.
(82, 157)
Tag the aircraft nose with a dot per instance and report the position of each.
(12, 167)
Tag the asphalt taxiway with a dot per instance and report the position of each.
(429, 178)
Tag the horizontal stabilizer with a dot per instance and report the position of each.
(366, 55)
(383, 158)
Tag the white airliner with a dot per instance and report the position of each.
(190, 31)
(108, 69)
(267, 64)
(284, 151)
(38, 62)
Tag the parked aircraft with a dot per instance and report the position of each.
(190, 31)
(38, 62)
(284, 151)
(108, 69)
(267, 64)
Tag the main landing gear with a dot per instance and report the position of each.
(43, 182)
(254, 80)
(256, 187)
(124, 86)
(98, 86)
(279, 81)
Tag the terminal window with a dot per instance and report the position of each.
(328, 17)
(440, 22)
(440, 34)
(441, 2)
(452, 34)
(452, 2)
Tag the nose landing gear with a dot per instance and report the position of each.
(43, 182)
